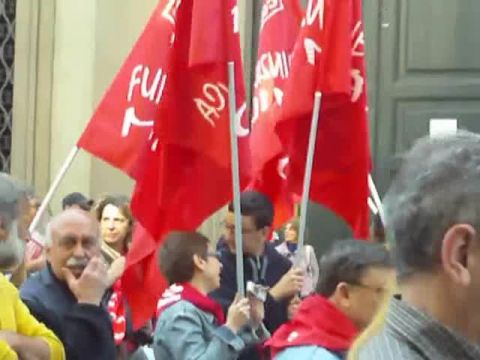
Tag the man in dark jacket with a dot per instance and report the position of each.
(67, 294)
(262, 263)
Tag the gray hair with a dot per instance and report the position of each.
(437, 186)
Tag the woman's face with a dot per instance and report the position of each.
(290, 233)
(114, 225)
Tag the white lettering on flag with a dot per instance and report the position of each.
(235, 14)
(282, 166)
(153, 140)
(130, 119)
(358, 82)
(269, 9)
(358, 49)
(170, 11)
(213, 103)
(240, 130)
(315, 12)
(140, 77)
(272, 65)
(311, 49)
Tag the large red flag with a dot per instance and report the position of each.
(124, 118)
(185, 174)
(329, 58)
(280, 24)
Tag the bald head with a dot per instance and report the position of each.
(72, 240)
(71, 216)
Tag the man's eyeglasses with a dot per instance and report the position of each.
(376, 289)
(231, 227)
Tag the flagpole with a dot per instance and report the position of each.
(60, 175)
(376, 198)
(372, 206)
(308, 170)
(236, 178)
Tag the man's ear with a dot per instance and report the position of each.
(342, 295)
(456, 248)
(198, 262)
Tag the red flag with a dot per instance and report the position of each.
(329, 57)
(185, 174)
(280, 24)
(124, 118)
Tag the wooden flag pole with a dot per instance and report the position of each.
(236, 178)
(60, 175)
(308, 170)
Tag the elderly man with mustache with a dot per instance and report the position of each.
(68, 295)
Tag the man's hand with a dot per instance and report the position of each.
(90, 287)
(257, 311)
(10, 338)
(26, 348)
(290, 284)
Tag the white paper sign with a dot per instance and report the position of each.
(442, 127)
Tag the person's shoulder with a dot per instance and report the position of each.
(7, 289)
(181, 315)
(276, 258)
(307, 353)
(35, 285)
(181, 308)
(385, 346)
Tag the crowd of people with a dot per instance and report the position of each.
(414, 297)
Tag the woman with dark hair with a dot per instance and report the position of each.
(190, 324)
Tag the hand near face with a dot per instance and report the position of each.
(90, 287)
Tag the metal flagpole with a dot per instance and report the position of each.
(60, 175)
(308, 169)
(372, 206)
(376, 198)
(236, 178)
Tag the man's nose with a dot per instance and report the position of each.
(79, 251)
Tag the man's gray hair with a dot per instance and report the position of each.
(437, 186)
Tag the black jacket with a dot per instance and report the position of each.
(267, 270)
(85, 330)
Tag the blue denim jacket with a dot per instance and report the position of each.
(185, 332)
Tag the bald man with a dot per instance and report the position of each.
(67, 295)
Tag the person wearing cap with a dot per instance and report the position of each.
(77, 200)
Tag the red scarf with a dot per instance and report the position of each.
(187, 292)
(116, 309)
(319, 323)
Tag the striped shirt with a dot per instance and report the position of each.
(413, 335)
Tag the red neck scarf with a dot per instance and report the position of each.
(116, 309)
(187, 292)
(318, 322)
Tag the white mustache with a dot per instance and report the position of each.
(75, 262)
